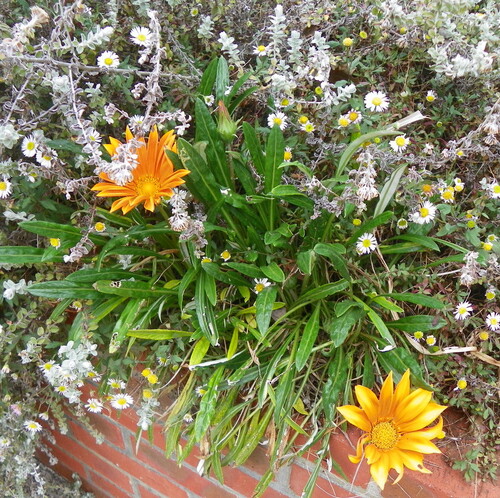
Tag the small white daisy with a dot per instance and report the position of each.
(463, 310)
(494, 189)
(402, 224)
(308, 127)
(277, 119)
(225, 255)
(260, 284)
(108, 60)
(431, 96)
(121, 401)
(141, 36)
(5, 188)
(376, 101)
(260, 50)
(29, 146)
(116, 383)
(493, 321)
(44, 416)
(354, 116)
(32, 426)
(424, 214)
(94, 405)
(46, 158)
(344, 121)
(400, 143)
(430, 340)
(366, 244)
(209, 100)
(491, 237)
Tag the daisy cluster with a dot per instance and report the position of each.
(72, 370)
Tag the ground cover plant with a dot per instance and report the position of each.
(252, 208)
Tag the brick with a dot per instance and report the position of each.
(63, 459)
(96, 461)
(156, 481)
(182, 475)
(342, 445)
(258, 461)
(272, 493)
(323, 488)
(146, 493)
(125, 418)
(235, 479)
(444, 482)
(107, 428)
(105, 488)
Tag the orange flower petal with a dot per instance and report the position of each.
(380, 470)
(368, 402)
(359, 449)
(372, 454)
(413, 461)
(426, 417)
(402, 389)
(412, 406)
(414, 442)
(386, 397)
(355, 416)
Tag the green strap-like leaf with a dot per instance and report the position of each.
(264, 308)
(308, 339)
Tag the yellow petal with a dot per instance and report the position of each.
(359, 449)
(128, 134)
(414, 442)
(149, 204)
(372, 454)
(386, 395)
(413, 461)
(355, 416)
(368, 402)
(402, 389)
(432, 432)
(380, 470)
(412, 406)
(431, 412)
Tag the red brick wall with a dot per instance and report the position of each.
(114, 469)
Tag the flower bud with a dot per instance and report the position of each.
(226, 126)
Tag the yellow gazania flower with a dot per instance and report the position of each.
(153, 178)
(395, 425)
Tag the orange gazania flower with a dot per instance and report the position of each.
(153, 178)
(395, 425)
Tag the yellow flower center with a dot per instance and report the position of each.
(141, 37)
(121, 401)
(496, 189)
(367, 243)
(376, 101)
(3, 186)
(108, 61)
(261, 48)
(30, 145)
(148, 186)
(493, 322)
(259, 287)
(400, 141)
(305, 119)
(287, 155)
(448, 195)
(344, 122)
(384, 435)
(424, 212)
(430, 98)
(277, 121)
(285, 102)
(353, 116)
